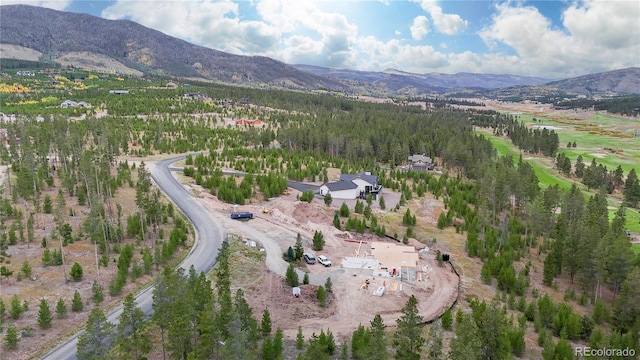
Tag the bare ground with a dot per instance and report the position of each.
(350, 304)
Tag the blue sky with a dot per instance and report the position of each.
(551, 39)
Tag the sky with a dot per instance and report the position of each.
(549, 39)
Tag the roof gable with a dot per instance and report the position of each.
(366, 176)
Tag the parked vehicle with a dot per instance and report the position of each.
(309, 258)
(241, 215)
(324, 260)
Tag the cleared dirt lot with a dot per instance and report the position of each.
(350, 304)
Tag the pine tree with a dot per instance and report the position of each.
(131, 335)
(344, 210)
(11, 337)
(434, 342)
(76, 272)
(299, 339)
(328, 285)
(407, 340)
(322, 296)
(328, 199)
(98, 292)
(360, 340)
(291, 276)
(382, 203)
(466, 344)
(47, 205)
(26, 268)
(631, 189)
(265, 324)
(447, 320)
(95, 342)
(318, 241)
(277, 344)
(44, 315)
(298, 249)
(305, 279)
(76, 303)
(16, 308)
(377, 349)
(61, 309)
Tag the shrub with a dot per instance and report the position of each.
(76, 272)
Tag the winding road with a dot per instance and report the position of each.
(202, 256)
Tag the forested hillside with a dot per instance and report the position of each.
(510, 222)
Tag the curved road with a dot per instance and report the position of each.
(202, 256)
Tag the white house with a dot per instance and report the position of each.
(352, 186)
(340, 189)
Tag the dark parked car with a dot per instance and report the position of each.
(309, 258)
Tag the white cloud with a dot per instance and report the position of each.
(599, 36)
(377, 55)
(51, 4)
(449, 24)
(611, 24)
(594, 35)
(215, 24)
(420, 27)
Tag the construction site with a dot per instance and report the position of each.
(370, 275)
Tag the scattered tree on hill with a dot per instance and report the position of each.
(97, 339)
(407, 340)
(322, 296)
(16, 309)
(44, 315)
(76, 272)
(265, 324)
(26, 268)
(131, 333)
(632, 189)
(328, 199)
(382, 203)
(11, 337)
(98, 292)
(61, 309)
(299, 249)
(299, 339)
(344, 210)
(328, 285)
(318, 240)
(76, 303)
(291, 277)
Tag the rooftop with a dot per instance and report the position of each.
(364, 175)
(341, 185)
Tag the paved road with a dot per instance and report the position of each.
(202, 255)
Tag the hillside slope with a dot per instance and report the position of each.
(56, 33)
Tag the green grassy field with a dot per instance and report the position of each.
(592, 145)
(543, 168)
(635, 248)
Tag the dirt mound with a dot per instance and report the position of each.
(305, 212)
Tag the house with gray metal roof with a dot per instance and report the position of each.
(352, 186)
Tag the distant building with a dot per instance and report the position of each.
(119, 92)
(420, 162)
(254, 123)
(195, 96)
(172, 85)
(73, 104)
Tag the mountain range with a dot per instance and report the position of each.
(86, 41)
